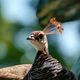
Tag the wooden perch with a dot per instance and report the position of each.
(16, 72)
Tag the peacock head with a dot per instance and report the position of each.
(39, 38)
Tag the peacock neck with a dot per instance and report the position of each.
(41, 54)
(43, 51)
(40, 58)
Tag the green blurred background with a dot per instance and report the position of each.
(19, 17)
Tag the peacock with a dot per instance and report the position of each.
(45, 67)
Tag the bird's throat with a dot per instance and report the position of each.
(44, 51)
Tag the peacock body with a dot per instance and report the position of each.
(45, 67)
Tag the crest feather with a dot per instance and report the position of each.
(52, 27)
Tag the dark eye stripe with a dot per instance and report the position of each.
(37, 38)
(40, 36)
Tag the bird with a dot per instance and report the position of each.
(45, 67)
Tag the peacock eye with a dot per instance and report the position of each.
(37, 38)
(40, 36)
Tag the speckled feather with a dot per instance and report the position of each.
(47, 68)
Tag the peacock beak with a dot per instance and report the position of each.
(30, 38)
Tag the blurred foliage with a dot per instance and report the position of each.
(6, 35)
(63, 10)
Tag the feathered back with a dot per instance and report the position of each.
(47, 68)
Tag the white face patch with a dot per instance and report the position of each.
(41, 43)
(39, 39)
